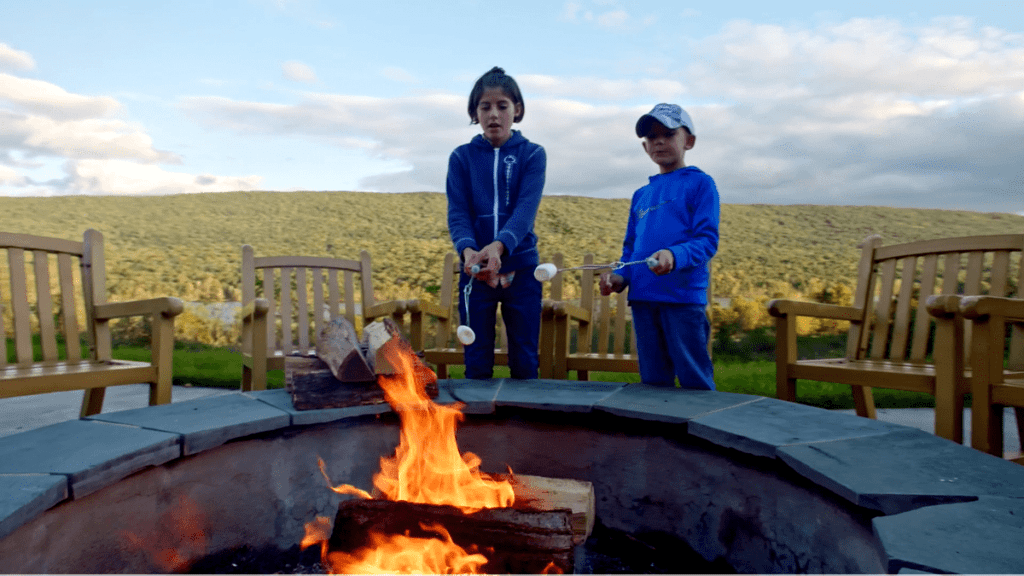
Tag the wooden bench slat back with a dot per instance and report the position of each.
(299, 306)
(32, 299)
(895, 282)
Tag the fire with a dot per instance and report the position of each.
(427, 468)
(396, 554)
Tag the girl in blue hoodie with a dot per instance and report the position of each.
(494, 188)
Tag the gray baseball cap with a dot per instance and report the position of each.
(671, 116)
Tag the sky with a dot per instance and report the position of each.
(903, 104)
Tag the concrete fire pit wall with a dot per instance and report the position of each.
(769, 486)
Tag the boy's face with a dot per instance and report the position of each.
(496, 112)
(667, 148)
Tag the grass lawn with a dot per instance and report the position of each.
(201, 365)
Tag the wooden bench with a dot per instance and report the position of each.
(889, 342)
(62, 292)
(602, 326)
(286, 301)
(444, 349)
(997, 363)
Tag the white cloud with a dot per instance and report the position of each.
(868, 111)
(298, 72)
(102, 154)
(121, 177)
(15, 59)
(9, 177)
(39, 97)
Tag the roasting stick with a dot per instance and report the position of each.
(546, 272)
(464, 333)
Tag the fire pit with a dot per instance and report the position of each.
(755, 483)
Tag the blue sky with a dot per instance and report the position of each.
(913, 104)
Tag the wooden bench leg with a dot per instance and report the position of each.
(864, 401)
(163, 360)
(442, 371)
(92, 402)
(246, 378)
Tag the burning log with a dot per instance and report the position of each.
(514, 540)
(345, 371)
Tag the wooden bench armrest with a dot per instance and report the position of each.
(426, 307)
(383, 309)
(782, 308)
(168, 307)
(943, 305)
(257, 308)
(562, 308)
(974, 307)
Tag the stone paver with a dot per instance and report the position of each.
(91, 454)
(903, 470)
(760, 427)
(282, 400)
(672, 405)
(205, 423)
(949, 538)
(26, 496)
(558, 395)
(477, 395)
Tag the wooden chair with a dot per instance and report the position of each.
(286, 301)
(602, 326)
(997, 363)
(53, 305)
(892, 319)
(444, 349)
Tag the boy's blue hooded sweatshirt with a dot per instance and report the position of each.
(493, 194)
(678, 211)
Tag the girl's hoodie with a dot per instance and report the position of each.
(493, 194)
(678, 211)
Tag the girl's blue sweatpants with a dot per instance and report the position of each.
(520, 310)
(671, 341)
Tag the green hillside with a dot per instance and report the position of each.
(189, 245)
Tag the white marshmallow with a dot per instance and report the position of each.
(465, 335)
(545, 272)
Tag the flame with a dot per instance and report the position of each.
(179, 539)
(427, 468)
(398, 554)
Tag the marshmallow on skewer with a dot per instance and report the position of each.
(465, 335)
(475, 269)
(545, 272)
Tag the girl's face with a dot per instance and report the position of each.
(496, 112)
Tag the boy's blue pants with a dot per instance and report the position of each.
(520, 310)
(671, 341)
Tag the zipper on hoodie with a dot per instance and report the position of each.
(496, 154)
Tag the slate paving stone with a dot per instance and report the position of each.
(559, 395)
(26, 496)
(91, 454)
(282, 400)
(672, 405)
(762, 426)
(477, 395)
(205, 423)
(948, 538)
(904, 470)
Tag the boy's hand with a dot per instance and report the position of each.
(612, 282)
(666, 262)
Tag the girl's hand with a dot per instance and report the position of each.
(612, 282)
(490, 260)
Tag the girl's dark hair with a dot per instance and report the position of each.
(495, 78)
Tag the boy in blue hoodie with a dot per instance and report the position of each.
(675, 219)
(494, 188)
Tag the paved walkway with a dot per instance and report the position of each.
(28, 412)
